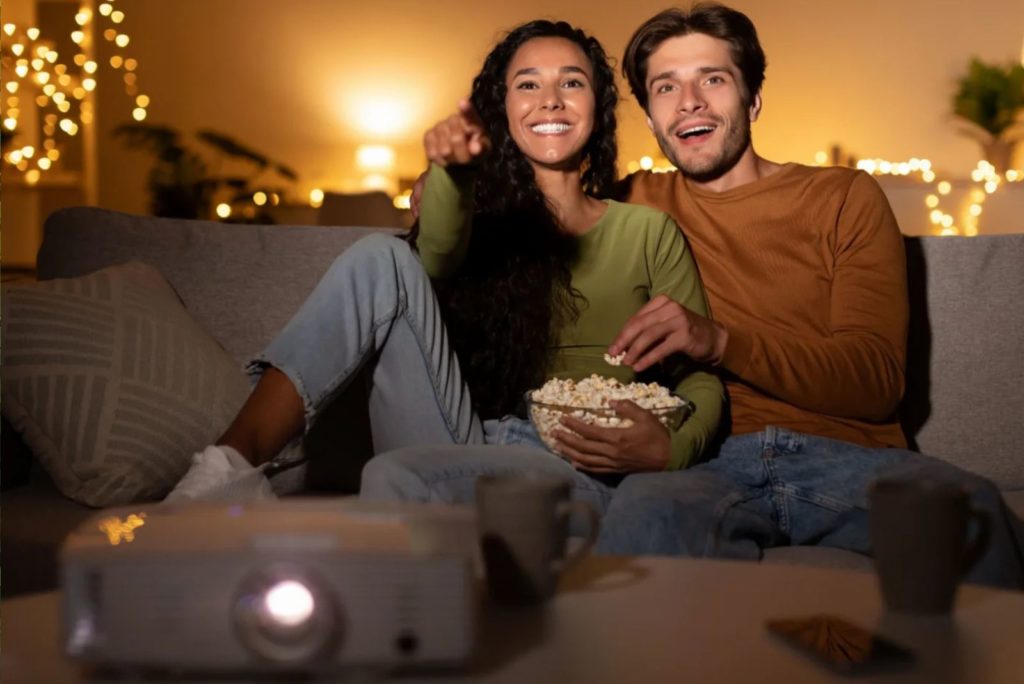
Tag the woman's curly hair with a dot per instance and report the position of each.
(505, 308)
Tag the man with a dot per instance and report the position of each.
(806, 279)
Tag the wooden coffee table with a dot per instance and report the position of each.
(626, 620)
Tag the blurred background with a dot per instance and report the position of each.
(258, 109)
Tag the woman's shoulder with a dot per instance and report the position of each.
(628, 213)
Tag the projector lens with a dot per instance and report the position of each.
(290, 603)
(286, 615)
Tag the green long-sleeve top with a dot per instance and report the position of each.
(630, 255)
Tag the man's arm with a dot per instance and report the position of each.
(856, 371)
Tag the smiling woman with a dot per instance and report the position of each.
(536, 273)
(550, 110)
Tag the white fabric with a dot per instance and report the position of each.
(220, 473)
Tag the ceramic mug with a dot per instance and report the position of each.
(523, 524)
(920, 536)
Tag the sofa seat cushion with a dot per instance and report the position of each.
(112, 384)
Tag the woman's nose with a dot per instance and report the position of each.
(552, 99)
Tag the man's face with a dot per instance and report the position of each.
(697, 105)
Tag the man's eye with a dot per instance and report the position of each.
(663, 88)
(714, 80)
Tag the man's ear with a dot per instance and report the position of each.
(755, 107)
(650, 124)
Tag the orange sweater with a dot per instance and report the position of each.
(806, 269)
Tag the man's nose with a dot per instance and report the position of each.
(691, 99)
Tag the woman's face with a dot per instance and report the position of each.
(550, 101)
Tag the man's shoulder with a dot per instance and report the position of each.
(836, 178)
(656, 182)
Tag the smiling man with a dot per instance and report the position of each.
(806, 279)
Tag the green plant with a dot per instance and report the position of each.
(181, 184)
(991, 97)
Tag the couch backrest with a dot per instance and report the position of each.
(241, 282)
(965, 374)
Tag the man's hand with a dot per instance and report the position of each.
(663, 327)
(417, 195)
(645, 446)
(459, 139)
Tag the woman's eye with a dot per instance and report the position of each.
(526, 85)
(573, 83)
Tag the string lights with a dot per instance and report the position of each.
(34, 72)
(984, 177)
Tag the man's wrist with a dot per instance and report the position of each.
(721, 342)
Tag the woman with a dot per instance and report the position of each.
(536, 276)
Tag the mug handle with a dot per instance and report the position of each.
(980, 542)
(565, 509)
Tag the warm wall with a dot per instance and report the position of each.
(287, 76)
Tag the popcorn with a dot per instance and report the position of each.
(614, 360)
(589, 400)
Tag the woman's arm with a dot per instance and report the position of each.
(445, 226)
(647, 446)
(674, 275)
(446, 205)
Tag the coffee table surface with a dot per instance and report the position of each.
(660, 620)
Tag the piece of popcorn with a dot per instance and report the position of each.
(614, 360)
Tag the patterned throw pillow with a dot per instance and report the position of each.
(112, 384)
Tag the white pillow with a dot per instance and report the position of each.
(112, 384)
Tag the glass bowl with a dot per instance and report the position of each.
(546, 417)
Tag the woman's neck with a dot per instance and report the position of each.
(575, 210)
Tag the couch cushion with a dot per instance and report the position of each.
(965, 374)
(112, 384)
(241, 283)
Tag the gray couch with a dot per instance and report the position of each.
(964, 402)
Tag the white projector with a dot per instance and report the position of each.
(283, 585)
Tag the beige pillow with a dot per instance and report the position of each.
(112, 384)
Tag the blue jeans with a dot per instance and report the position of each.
(778, 488)
(448, 474)
(766, 489)
(375, 308)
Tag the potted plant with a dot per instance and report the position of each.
(990, 98)
(181, 184)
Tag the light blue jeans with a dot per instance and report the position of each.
(773, 488)
(375, 308)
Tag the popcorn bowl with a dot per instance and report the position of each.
(546, 417)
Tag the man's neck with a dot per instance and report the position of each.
(749, 168)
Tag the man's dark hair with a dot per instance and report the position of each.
(709, 18)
